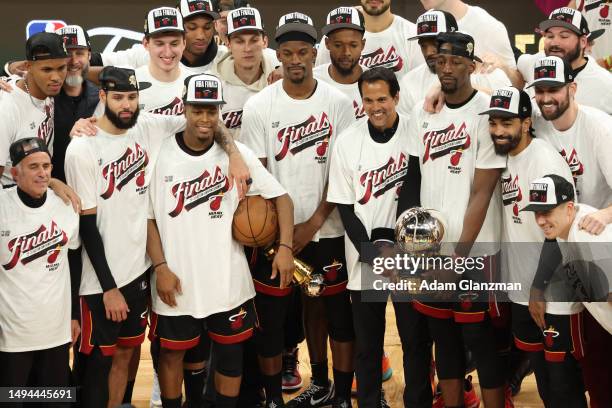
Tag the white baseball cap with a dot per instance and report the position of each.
(189, 8)
(434, 22)
(163, 19)
(343, 17)
(551, 71)
(203, 89)
(74, 37)
(548, 192)
(244, 18)
(509, 102)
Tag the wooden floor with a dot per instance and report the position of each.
(528, 397)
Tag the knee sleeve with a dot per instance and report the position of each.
(449, 351)
(199, 353)
(271, 311)
(228, 359)
(480, 340)
(339, 317)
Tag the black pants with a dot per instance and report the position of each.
(294, 329)
(369, 322)
(40, 368)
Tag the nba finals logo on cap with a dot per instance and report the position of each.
(244, 18)
(342, 15)
(502, 99)
(428, 23)
(547, 68)
(297, 18)
(199, 5)
(538, 193)
(206, 89)
(70, 36)
(565, 14)
(165, 18)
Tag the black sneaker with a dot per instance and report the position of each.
(383, 401)
(342, 403)
(314, 396)
(275, 403)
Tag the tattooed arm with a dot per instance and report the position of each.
(238, 170)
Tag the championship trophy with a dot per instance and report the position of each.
(418, 232)
(311, 283)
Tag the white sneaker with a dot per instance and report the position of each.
(155, 393)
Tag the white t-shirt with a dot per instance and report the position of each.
(587, 147)
(22, 117)
(415, 85)
(490, 35)
(296, 137)
(34, 272)
(164, 98)
(189, 200)
(451, 145)
(389, 48)
(599, 17)
(522, 236)
(351, 91)
(112, 173)
(595, 249)
(368, 175)
(593, 82)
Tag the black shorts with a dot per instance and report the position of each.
(563, 334)
(39, 368)
(327, 258)
(184, 332)
(98, 331)
(467, 306)
(261, 269)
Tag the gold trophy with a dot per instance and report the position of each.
(419, 232)
(311, 283)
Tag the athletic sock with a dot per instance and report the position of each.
(194, 385)
(272, 385)
(171, 402)
(222, 401)
(319, 373)
(343, 382)
(129, 389)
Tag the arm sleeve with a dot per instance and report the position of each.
(96, 60)
(253, 132)
(410, 193)
(92, 241)
(550, 259)
(75, 265)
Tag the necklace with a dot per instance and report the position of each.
(46, 108)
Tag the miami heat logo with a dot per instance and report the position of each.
(237, 320)
(574, 163)
(451, 141)
(331, 271)
(206, 187)
(511, 192)
(359, 110)
(118, 173)
(381, 58)
(46, 128)
(232, 119)
(316, 130)
(549, 336)
(174, 108)
(378, 181)
(604, 11)
(45, 241)
(466, 300)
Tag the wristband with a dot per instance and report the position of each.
(286, 246)
(159, 264)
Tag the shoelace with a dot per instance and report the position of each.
(290, 363)
(312, 390)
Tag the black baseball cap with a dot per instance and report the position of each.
(462, 45)
(295, 27)
(434, 22)
(548, 192)
(45, 45)
(551, 72)
(22, 148)
(118, 79)
(344, 17)
(509, 102)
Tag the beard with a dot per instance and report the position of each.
(77, 80)
(118, 122)
(375, 12)
(344, 71)
(507, 148)
(570, 56)
(449, 88)
(561, 108)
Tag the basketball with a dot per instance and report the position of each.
(255, 222)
